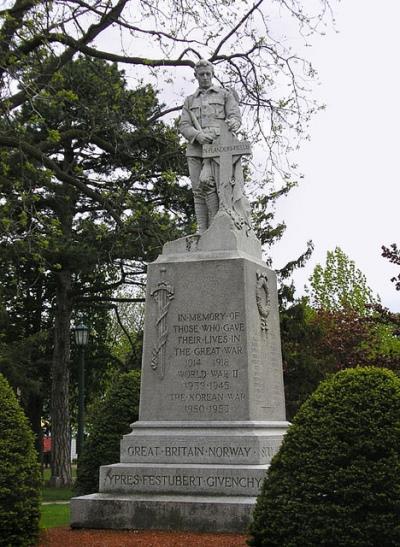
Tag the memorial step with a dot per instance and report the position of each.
(163, 512)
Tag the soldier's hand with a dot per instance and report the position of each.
(203, 138)
(234, 125)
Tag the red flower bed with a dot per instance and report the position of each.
(66, 537)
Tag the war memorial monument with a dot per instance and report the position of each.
(212, 411)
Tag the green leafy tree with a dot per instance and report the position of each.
(335, 480)
(304, 365)
(25, 344)
(19, 474)
(340, 285)
(119, 407)
(316, 343)
(86, 240)
(341, 326)
(392, 253)
(126, 329)
(269, 233)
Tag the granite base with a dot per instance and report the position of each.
(162, 512)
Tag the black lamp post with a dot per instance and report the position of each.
(81, 333)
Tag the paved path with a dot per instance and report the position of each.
(56, 502)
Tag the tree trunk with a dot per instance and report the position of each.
(34, 413)
(61, 474)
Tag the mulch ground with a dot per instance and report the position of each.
(65, 537)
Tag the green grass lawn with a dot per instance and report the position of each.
(54, 515)
(49, 493)
(56, 494)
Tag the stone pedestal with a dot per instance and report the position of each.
(212, 410)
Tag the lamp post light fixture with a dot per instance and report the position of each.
(81, 333)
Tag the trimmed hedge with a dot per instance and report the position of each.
(336, 479)
(111, 419)
(20, 477)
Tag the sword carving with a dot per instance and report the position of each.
(163, 294)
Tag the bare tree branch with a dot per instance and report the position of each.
(233, 30)
(94, 30)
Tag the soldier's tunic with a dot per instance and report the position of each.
(209, 107)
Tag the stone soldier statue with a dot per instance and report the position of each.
(204, 115)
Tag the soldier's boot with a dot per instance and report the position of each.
(200, 208)
(212, 205)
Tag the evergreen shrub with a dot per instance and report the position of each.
(336, 479)
(110, 420)
(20, 477)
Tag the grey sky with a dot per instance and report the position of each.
(350, 196)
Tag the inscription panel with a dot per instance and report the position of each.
(212, 150)
(135, 479)
(205, 376)
(206, 349)
(242, 450)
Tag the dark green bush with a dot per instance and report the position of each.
(20, 478)
(336, 479)
(109, 422)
